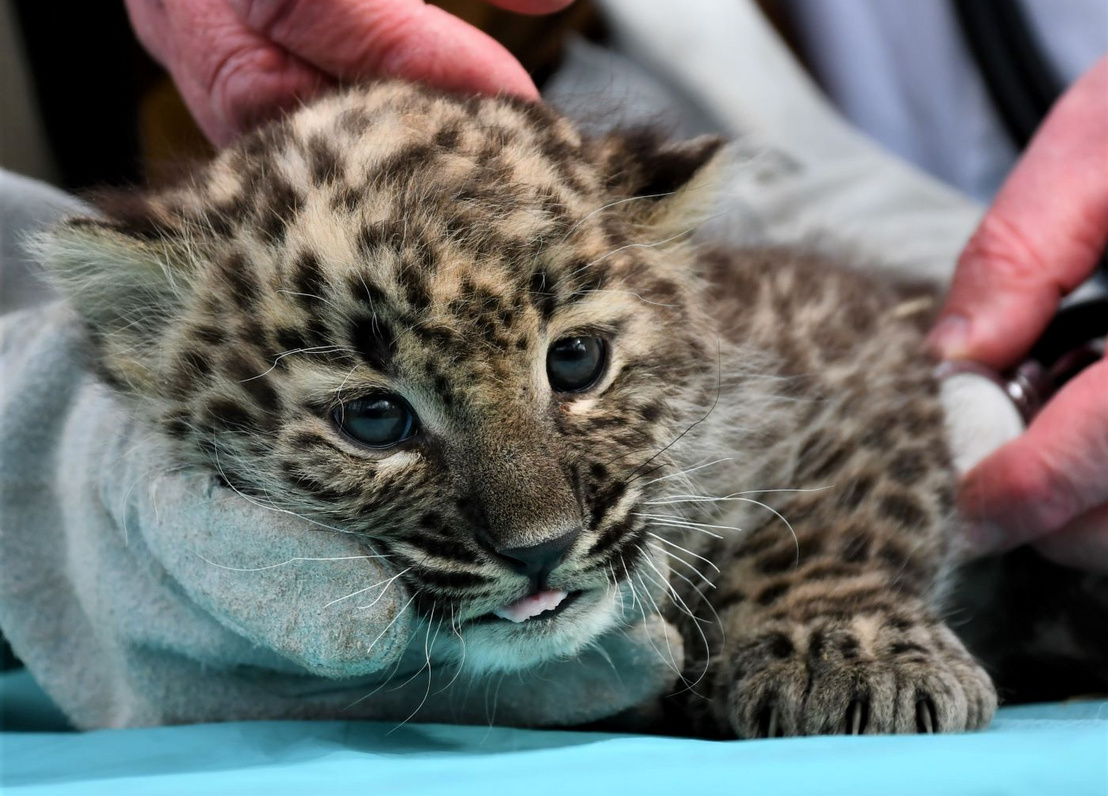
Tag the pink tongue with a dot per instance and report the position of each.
(522, 610)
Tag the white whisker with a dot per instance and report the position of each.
(663, 540)
(657, 524)
(665, 585)
(698, 573)
(780, 516)
(428, 645)
(259, 504)
(386, 583)
(673, 499)
(687, 471)
(388, 627)
(682, 522)
(630, 293)
(380, 596)
(611, 205)
(461, 664)
(704, 599)
(284, 563)
(322, 349)
(658, 612)
(650, 245)
(631, 586)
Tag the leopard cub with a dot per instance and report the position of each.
(484, 341)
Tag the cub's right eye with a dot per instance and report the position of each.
(379, 421)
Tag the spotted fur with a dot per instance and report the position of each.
(765, 442)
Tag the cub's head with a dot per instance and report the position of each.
(455, 326)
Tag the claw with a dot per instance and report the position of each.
(857, 716)
(772, 730)
(926, 720)
(769, 725)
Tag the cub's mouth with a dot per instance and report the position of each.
(538, 606)
(541, 626)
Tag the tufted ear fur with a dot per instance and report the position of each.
(126, 278)
(675, 179)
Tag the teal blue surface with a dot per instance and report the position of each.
(1039, 751)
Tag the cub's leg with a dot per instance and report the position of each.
(826, 613)
(837, 631)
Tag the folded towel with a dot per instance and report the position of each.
(138, 596)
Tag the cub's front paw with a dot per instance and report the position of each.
(868, 675)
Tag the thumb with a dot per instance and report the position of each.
(354, 39)
(1041, 238)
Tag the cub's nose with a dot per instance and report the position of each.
(538, 561)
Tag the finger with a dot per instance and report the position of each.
(1082, 544)
(230, 77)
(150, 22)
(402, 38)
(1054, 472)
(1041, 238)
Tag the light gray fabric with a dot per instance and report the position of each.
(141, 596)
(803, 174)
(26, 206)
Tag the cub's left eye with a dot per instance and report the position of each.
(574, 364)
(379, 421)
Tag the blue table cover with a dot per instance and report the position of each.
(1039, 750)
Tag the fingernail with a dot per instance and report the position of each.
(948, 339)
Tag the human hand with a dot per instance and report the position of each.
(1042, 238)
(239, 62)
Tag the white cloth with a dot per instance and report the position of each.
(902, 72)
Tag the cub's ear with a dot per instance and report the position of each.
(676, 180)
(127, 278)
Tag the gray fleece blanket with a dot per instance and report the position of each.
(141, 595)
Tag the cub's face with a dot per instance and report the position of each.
(451, 325)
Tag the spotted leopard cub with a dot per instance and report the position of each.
(462, 329)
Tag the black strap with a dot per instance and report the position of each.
(1073, 325)
(1020, 79)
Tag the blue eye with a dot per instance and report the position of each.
(379, 421)
(573, 364)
